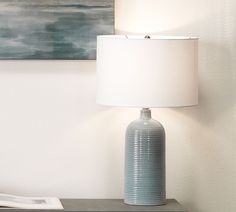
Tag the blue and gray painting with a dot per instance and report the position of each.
(53, 29)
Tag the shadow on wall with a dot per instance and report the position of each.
(215, 116)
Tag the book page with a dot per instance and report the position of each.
(13, 201)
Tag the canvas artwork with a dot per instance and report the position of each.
(53, 29)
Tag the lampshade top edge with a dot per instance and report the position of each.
(142, 37)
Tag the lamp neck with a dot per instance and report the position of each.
(145, 114)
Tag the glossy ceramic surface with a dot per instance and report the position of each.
(145, 162)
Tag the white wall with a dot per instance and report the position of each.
(54, 139)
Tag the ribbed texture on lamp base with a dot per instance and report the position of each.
(145, 162)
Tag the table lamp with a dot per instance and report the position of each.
(145, 72)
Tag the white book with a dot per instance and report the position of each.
(13, 201)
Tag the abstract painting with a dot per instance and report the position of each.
(53, 29)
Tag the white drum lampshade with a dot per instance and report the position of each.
(136, 72)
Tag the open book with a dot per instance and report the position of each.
(12, 201)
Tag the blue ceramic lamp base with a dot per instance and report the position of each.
(145, 162)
